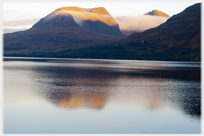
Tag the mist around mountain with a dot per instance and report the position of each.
(178, 39)
(136, 24)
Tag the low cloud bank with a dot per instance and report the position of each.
(18, 25)
(5, 30)
(139, 23)
(23, 22)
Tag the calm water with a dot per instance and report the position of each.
(101, 96)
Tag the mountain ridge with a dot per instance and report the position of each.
(93, 14)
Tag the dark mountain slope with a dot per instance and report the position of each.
(103, 28)
(106, 24)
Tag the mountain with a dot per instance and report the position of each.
(64, 28)
(177, 39)
(157, 13)
(95, 20)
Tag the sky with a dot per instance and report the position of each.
(18, 9)
(25, 13)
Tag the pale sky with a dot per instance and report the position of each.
(18, 9)
(30, 11)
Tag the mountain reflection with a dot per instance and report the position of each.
(187, 97)
(153, 89)
(69, 99)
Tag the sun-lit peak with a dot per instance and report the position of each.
(93, 14)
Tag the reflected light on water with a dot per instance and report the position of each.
(157, 89)
(151, 88)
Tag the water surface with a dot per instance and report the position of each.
(101, 96)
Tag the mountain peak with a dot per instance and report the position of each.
(93, 19)
(71, 9)
(157, 13)
(92, 14)
(98, 10)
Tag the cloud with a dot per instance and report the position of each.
(6, 30)
(17, 25)
(21, 22)
(139, 23)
